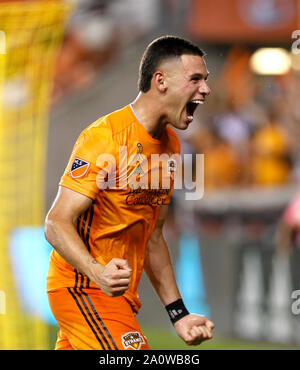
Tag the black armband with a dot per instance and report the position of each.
(176, 310)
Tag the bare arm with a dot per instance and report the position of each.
(192, 328)
(158, 265)
(60, 231)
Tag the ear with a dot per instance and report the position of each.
(160, 81)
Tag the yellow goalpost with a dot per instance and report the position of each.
(30, 35)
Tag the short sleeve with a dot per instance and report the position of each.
(85, 168)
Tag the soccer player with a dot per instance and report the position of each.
(106, 222)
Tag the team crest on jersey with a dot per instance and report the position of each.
(139, 148)
(79, 168)
(132, 339)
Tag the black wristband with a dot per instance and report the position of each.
(176, 310)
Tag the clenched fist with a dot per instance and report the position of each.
(194, 329)
(114, 278)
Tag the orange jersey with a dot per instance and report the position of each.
(112, 163)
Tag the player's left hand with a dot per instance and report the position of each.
(194, 329)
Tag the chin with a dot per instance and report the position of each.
(184, 125)
(181, 125)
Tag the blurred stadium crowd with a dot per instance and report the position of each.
(253, 141)
(250, 128)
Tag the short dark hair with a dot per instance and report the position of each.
(160, 49)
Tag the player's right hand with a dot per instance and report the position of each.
(115, 277)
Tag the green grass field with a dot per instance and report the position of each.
(166, 340)
(159, 339)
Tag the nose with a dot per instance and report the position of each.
(204, 88)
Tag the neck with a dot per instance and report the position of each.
(150, 115)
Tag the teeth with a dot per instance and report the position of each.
(197, 101)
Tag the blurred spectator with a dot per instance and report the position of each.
(237, 77)
(172, 15)
(270, 153)
(221, 167)
(97, 32)
(91, 40)
(291, 112)
(134, 18)
(233, 128)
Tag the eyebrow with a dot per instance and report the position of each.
(200, 75)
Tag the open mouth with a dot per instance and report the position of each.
(191, 107)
